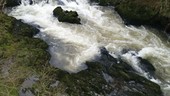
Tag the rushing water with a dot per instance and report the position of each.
(71, 44)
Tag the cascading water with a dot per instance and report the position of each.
(71, 45)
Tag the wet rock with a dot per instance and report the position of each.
(66, 16)
(99, 80)
(106, 58)
(139, 64)
(12, 3)
(109, 60)
(146, 65)
(113, 80)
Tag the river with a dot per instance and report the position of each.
(70, 45)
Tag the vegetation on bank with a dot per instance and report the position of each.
(155, 13)
(21, 56)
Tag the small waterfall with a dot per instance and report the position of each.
(71, 45)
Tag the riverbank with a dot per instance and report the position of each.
(20, 54)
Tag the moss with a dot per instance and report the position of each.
(66, 16)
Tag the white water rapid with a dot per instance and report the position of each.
(70, 45)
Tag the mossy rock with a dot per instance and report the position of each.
(66, 16)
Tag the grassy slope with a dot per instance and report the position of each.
(20, 57)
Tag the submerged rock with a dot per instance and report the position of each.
(66, 16)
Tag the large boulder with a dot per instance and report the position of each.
(66, 16)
